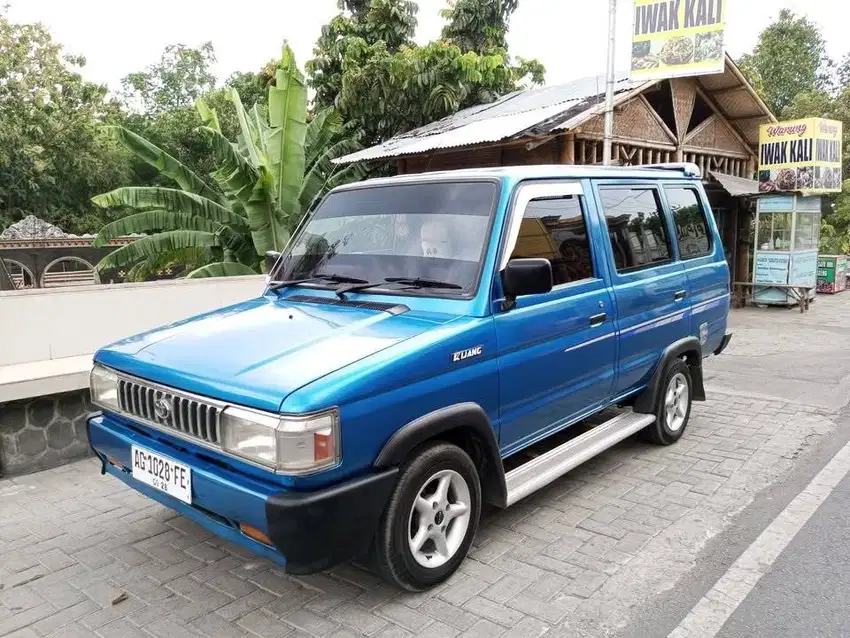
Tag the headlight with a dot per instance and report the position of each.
(290, 445)
(103, 384)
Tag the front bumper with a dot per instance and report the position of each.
(310, 531)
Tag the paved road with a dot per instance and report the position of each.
(807, 592)
(584, 557)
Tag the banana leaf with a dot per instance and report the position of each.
(152, 220)
(320, 132)
(324, 175)
(162, 161)
(169, 199)
(270, 229)
(208, 115)
(285, 141)
(155, 245)
(249, 137)
(234, 174)
(221, 269)
(189, 257)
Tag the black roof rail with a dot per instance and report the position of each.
(687, 168)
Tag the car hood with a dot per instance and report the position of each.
(256, 353)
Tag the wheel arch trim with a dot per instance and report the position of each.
(460, 419)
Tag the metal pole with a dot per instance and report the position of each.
(609, 89)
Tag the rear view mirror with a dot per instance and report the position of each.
(525, 277)
(271, 259)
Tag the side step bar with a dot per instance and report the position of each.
(544, 469)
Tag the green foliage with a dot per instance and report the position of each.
(181, 76)
(792, 72)
(790, 58)
(479, 25)
(162, 110)
(52, 159)
(263, 183)
(367, 65)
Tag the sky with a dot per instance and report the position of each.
(568, 36)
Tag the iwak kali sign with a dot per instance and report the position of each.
(673, 38)
(801, 155)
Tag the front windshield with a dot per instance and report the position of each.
(427, 231)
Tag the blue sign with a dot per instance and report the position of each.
(771, 268)
(804, 267)
(776, 204)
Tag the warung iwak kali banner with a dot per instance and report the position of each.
(676, 38)
(800, 155)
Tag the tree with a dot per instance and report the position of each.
(789, 58)
(52, 159)
(479, 25)
(367, 65)
(181, 76)
(262, 184)
(167, 92)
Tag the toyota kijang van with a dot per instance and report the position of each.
(425, 344)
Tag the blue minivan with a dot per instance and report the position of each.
(424, 345)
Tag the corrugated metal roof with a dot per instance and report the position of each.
(538, 110)
(549, 109)
(736, 186)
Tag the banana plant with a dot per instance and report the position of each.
(279, 167)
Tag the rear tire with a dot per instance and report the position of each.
(673, 407)
(431, 519)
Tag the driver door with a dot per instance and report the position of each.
(557, 351)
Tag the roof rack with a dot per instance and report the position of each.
(688, 168)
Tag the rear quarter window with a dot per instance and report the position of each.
(636, 226)
(692, 229)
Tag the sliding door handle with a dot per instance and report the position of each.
(598, 320)
(680, 295)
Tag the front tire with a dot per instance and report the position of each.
(673, 407)
(431, 519)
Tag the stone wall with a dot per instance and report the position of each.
(40, 433)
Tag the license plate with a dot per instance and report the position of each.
(162, 473)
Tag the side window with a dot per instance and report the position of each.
(691, 224)
(636, 227)
(555, 229)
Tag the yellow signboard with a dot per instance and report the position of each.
(676, 38)
(801, 155)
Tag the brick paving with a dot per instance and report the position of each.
(82, 555)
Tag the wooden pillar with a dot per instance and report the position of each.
(751, 167)
(401, 166)
(744, 221)
(568, 148)
(680, 154)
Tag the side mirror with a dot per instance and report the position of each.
(525, 277)
(271, 259)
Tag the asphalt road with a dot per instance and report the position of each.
(807, 592)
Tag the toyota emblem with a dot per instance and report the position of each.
(162, 408)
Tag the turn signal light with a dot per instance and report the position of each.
(323, 446)
(253, 532)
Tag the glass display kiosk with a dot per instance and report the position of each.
(786, 247)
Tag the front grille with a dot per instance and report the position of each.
(168, 409)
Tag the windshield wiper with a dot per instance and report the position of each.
(331, 277)
(420, 282)
(411, 282)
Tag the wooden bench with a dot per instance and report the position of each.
(800, 293)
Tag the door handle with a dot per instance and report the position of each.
(680, 295)
(598, 320)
